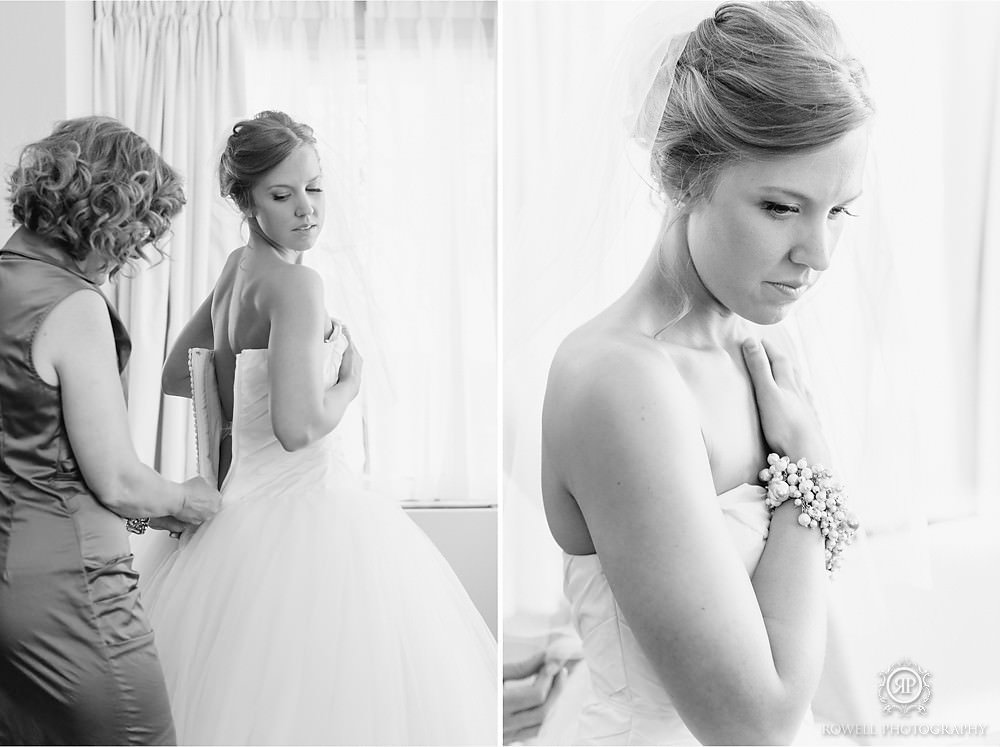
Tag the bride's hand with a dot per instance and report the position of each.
(350, 365)
(787, 415)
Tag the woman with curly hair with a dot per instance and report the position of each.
(77, 659)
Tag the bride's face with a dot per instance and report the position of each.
(288, 200)
(770, 228)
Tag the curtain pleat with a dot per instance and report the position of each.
(988, 341)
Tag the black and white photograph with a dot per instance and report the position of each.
(248, 369)
(751, 372)
(500, 372)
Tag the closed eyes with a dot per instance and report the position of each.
(281, 197)
(782, 210)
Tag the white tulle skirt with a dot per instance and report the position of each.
(319, 615)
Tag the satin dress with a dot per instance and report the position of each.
(77, 660)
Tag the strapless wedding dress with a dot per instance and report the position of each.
(308, 610)
(626, 704)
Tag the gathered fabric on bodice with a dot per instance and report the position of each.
(627, 703)
(258, 458)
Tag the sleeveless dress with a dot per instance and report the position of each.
(627, 704)
(309, 611)
(77, 659)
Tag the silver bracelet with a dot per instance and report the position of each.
(137, 526)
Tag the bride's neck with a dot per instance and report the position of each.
(670, 302)
(261, 245)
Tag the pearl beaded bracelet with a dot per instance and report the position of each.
(820, 498)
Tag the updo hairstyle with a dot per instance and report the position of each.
(95, 187)
(755, 81)
(256, 146)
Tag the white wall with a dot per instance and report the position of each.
(467, 537)
(48, 48)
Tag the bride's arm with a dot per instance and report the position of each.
(175, 378)
(302, 408)
(740, 660)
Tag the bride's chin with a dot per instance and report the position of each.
(767, 315)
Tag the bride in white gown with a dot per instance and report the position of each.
(703, 614)
(309, 611)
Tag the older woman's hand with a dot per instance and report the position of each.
(530, 687)
(175, 526)
(201, 501)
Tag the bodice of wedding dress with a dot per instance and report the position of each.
(627, 704)
(258, 458)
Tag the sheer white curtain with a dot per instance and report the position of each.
(988, 339)
(909, 413)
(174, 73)
(431, 194)
(403, 107)
(974, 114)
(936, 143)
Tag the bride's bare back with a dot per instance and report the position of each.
(253, 284)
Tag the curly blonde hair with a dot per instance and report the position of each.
(95, 187)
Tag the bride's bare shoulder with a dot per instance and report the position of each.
(286, 286)
(601, 368)
(598, 350)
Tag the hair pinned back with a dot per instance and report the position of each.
(256, 146)
(755, 80)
